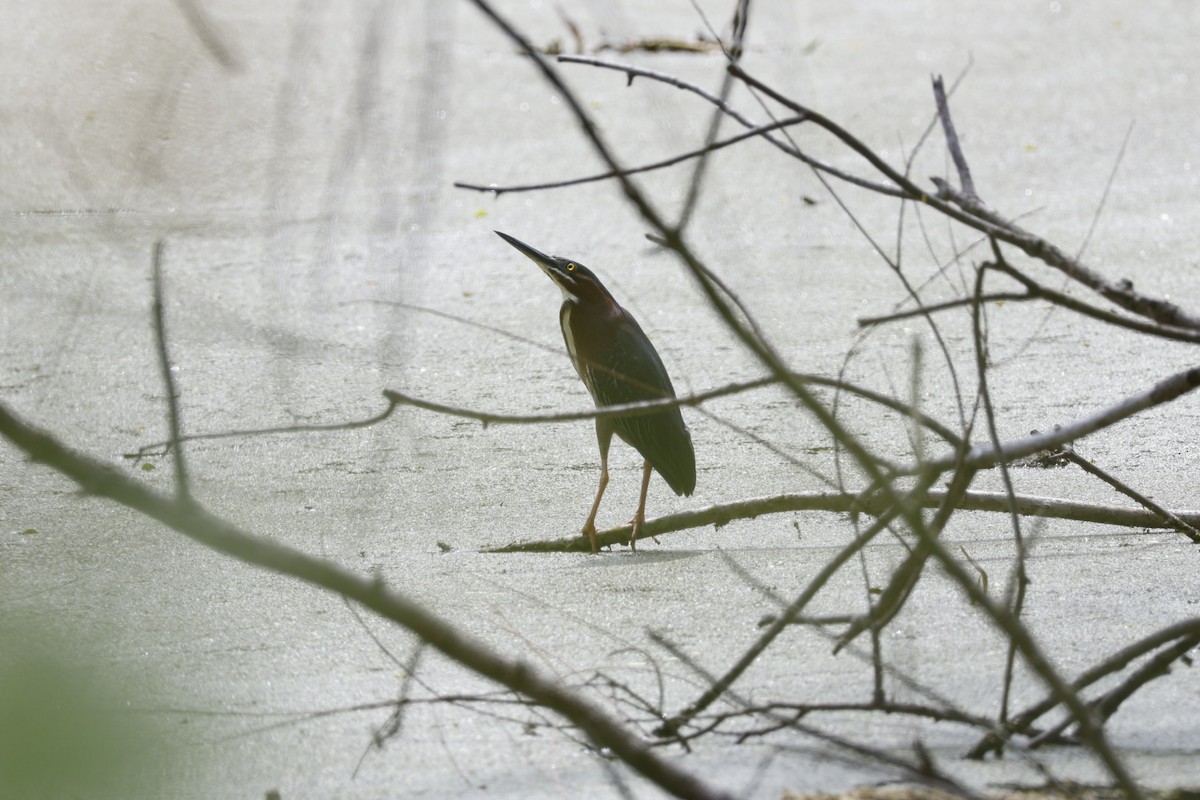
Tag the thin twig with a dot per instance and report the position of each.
(603, 176)
(1108, 184)
(396, 399)
(632, 72)
(182, 489)
(638, 409)
(994, 741)
(741, 19)
(952, 142)
(160, 448)
(933, 308)
(654, 406)
(1169, 518)
(391, 728)
(979, 340)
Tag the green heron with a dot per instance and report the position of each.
(618, 364)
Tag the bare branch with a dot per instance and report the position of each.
(1090, 726)
(925, 311)
(952, 143)
(695, 399)
(199, 524)
(208, 34)
(1120, 292)
(904, 578)
(1107, 704)
(982, 370)
(182, 490)
(1036, 290)
(158, 448)
(982, 456)
(1169, 518)
(396, 398)
(668, 162)
(912, 500)
(1116, 662)
(841, 502)
(632, 72)
(970, 212)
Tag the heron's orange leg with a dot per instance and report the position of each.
(589, 527)
(640, 516)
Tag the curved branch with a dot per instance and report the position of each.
(632, 72)
(637, 409)
(206, 528)
(668, 162)
(165, 447)
(1078, 306)
(182, 487)
(695, 399)
(396, 398)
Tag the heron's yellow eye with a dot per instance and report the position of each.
(570, 267)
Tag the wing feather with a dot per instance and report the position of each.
(634, 372)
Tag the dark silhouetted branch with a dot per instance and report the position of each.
(182, 490)
(199, 524)
(952, 143)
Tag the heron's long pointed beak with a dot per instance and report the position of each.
(536, 256)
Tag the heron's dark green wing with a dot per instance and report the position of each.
(629, 371)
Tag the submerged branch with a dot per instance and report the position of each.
(841, 502)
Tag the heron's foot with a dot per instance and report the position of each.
(637, 522)
(589, 528)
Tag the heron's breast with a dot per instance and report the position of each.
(568, 331)
(589, 336)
